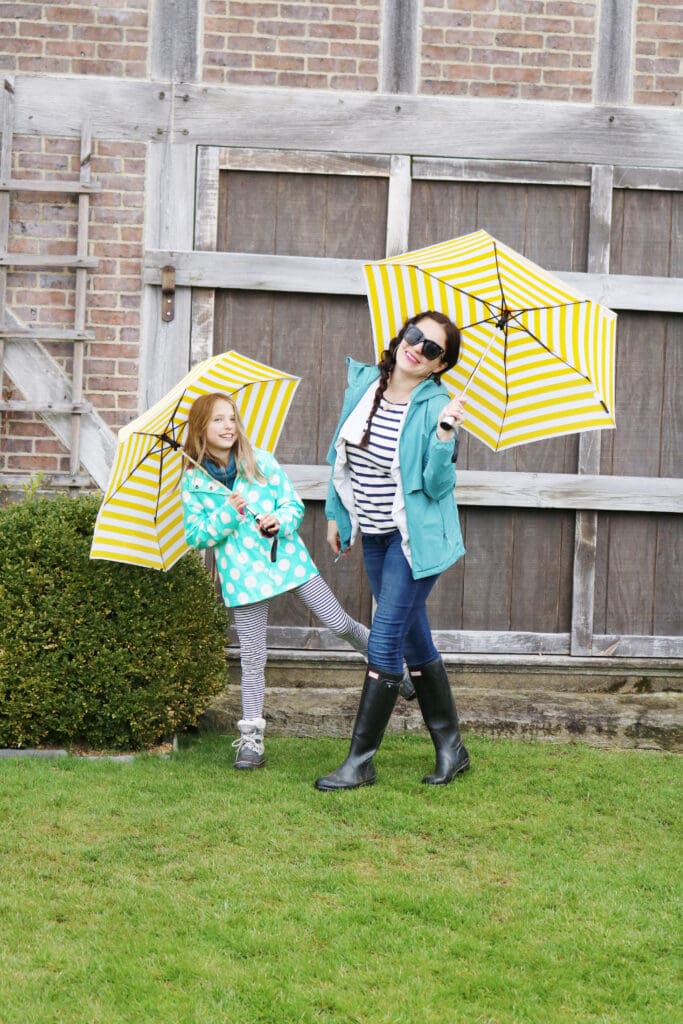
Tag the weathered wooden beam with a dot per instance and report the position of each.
(48, 481)
(205, 238)
(625, 646)
(314, 646)
(586, 526)
(614, 56)
(117, 108)
(42, 407)
(46, 333)
(174, 38)
(541, 651)
(630, 291)
(38, 260)
(398, 206)
(326, 276)
(523, 172)
(430, 126)
(298, 162)
(535, 490)
(311, 119)
(165, 354)
(400, 46)
(30, 185)
(36, 374)
(507, 643)
(259, 272)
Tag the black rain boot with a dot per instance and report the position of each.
(441, 718)
(380, 692)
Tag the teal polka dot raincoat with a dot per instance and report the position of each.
(243, 555)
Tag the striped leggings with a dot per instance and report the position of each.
(251, 621)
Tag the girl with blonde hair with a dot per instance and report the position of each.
(242, 504)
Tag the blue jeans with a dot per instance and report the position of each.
(400, 628)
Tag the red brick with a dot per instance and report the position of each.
(24, 46)
(491, 91)
(304, 12)
(516, 75)
(110, 68)
(519, 40)
(546, 58)
(292, 80)
(543, 92)
(252, 78)
(128, 19)
(354, 84)
(98, 34)
(43, 31)
(280, 28)
(43, 66)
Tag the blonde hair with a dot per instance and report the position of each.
(195, 442)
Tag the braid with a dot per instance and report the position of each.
(385, 367)
(388, 360)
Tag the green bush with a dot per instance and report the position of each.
(95, 653)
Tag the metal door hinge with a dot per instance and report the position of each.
(167, 293)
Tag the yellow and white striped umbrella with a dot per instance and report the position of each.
(536, 357)
(140, 520)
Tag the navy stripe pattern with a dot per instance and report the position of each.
(374, 488)
(251, 621)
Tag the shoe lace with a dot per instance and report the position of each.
(249, 741)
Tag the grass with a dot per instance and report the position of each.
(544, 886)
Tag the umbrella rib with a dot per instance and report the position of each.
(163, 438)
(152, 451)
(463, 291)
(569, 365)
(500, 285)
(541, 309)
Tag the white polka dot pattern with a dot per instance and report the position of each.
(243, 555)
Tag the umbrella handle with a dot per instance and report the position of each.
(252, 512)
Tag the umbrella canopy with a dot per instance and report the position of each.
(140, 520)
(536, 357)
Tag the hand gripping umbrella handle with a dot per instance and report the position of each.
(447, 422)
(252, 512)
(267, 533)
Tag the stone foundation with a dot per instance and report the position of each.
(601, 702)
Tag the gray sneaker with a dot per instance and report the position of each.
(249, 745)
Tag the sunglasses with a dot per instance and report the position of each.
(430, 349)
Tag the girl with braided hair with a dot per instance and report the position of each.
(393, 480)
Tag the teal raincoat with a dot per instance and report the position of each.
(425, 510)
(243, 560)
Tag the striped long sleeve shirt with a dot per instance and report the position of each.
(374, 488)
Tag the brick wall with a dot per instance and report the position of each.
(76, 37)
(301, 45)
(507, 49)
(511, 49)
(45, 223)
(658, 77)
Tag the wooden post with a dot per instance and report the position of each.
(5, 175)
(586, 528)
(398, 205)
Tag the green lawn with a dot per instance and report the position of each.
(544, 886)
